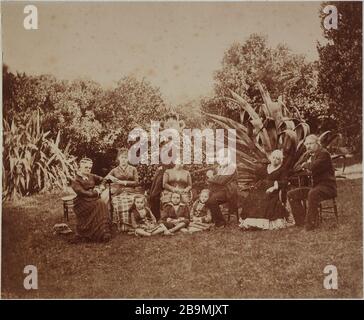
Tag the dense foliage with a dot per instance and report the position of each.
(282, 72)
(340, 70)
(32, 161)
(95, 122)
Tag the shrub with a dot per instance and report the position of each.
(262, 130)
(32, 162)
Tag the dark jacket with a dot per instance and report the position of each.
(137, 220)
(157, 184)
(169, 212)
(322, 169)
(227, 183)
(84, 188)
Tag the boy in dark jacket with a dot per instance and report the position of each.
(175, 215)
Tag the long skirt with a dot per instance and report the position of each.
(121, 206)
(92, 219)
(263, 211)
(122, 201)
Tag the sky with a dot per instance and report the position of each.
(176, 46)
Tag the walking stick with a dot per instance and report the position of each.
(110, 201)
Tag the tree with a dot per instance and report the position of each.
(91, 119)
(66, 107)
(23, 94)
(131, 104)
(70, 108)
(340, 69)
(191, 114)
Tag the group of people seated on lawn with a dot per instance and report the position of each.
(169, 207)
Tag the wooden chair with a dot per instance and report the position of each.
(339, 167)
(68, 203)
(330, 205)
(329, 208)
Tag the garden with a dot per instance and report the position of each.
(271, 96)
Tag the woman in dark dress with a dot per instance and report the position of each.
(263, 208)
(91, 212)
(156, 191)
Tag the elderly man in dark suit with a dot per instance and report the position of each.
(223, 186)
(323, 187)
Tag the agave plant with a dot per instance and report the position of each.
(263, 129)
(32, 162)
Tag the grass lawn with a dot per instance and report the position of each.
(225, 263)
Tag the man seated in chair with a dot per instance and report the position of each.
(223, 186)
(320, 166)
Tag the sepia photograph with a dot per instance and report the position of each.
(181, 150)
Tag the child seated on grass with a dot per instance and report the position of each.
(175, 215)
(201, 218)
(142, 219)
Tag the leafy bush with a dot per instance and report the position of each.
(92, 119)
(146, 174)
(32, 162)
(282, 72)
(259, 131)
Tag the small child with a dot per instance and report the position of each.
(142, 218)
(175, 215)
(200, 215)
